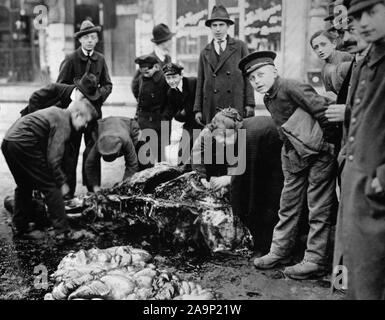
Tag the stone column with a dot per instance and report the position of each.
(294, 38)
(60, 33)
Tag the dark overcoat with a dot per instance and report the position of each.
(361, 221)
(220, 82)
(255, 194)
(75, 65)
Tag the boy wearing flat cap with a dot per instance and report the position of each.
(85, 60)
(181, 97)
(115, 137)
(361, 223)
(220, 84)
(312, 177)
(151, 93)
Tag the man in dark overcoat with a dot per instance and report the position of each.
(85, 60)
(220, 83)
(362, 212)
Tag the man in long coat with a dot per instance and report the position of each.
(362, 214)
(220, 83)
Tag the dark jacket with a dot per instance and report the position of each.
(179, 101)
(151, 93)
(334, 70)
(255, 194)
(51, 128)
(55, 94)
(128, 131)
(74, 66)
(361, 232)
(220, 83)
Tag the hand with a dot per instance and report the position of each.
(65, 189)
(183, 113)
(249, 112)
(199, 118)
(205, 183)
(97, 189)
(376, 185)
(336, 113)
(217, 183)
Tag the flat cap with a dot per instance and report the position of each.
(172, 68)
(109, 146)
(146, 61)
(256, 60)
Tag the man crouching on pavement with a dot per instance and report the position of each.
(33, 148)
(310, 177)
(116, 137)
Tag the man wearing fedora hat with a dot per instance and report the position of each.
(85, 60)
(162, 39)
(220, 83)
(361, 232)
(61, 95)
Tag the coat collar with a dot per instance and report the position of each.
(83, 57)
(377, 53)
(272, 93)
(210, 53)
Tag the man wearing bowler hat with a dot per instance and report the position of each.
(85, 60)
(309, 178)
(220, 83)
(361, 232)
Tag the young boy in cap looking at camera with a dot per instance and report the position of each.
(181, 97)
(34, 148)
(311, 177)
(220, 83)
(85, 60)
(115, 137)
(151, 93)
(361, 232)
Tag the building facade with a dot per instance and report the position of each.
(32, 46)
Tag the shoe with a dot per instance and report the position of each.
(270, 261)
(305, 270)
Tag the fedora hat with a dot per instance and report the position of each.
(86, 28)
(88, 85)
(357, 6)
(219, 13)
(161, 33)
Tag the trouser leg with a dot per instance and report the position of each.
(291, 207)
(29, 166)
(89, 140)
(70, 162)
(321, 201)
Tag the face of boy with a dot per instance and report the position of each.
(263, 78)
(166, 46)
(219, 30)
(173, 80)
(80, 118)
(225, 136)
(323, 47)
(89, 41)
(370, 23)
(148, 72)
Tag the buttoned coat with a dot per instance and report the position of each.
(361, 221)
(75, 65)
(220, 83)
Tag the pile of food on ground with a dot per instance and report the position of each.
(119, 273)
